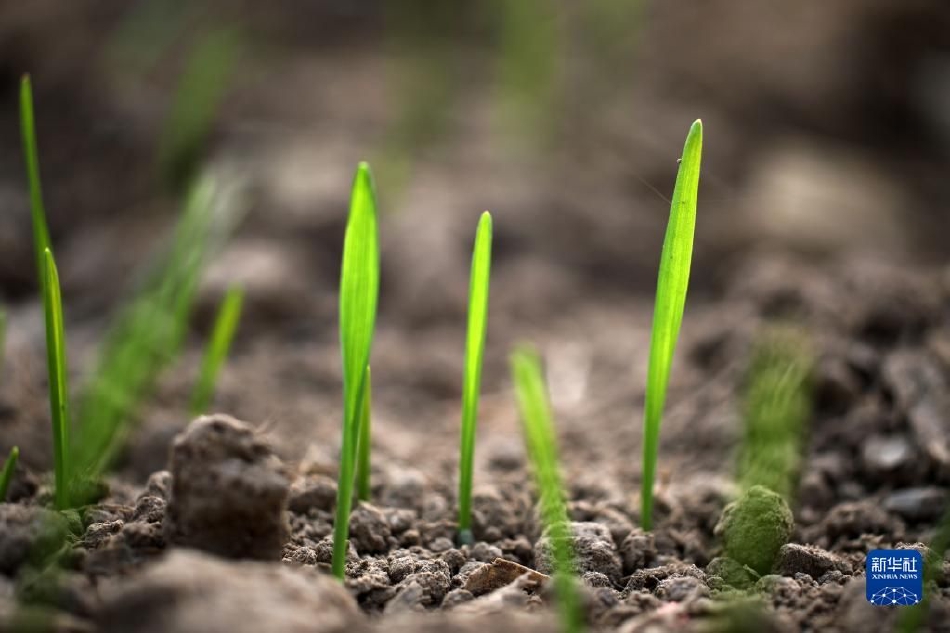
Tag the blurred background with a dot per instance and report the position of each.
(827, 137)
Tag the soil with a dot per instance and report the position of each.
(223, 523)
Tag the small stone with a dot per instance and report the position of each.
(149, 509)
(754, 527)
(594, 550)
(315, 491)
(497, 574)
(369, 530)
(924, 503)
(681, 588)
(229, 491)
(159, 484)
(638, 550)
(98, 534)
(883, 455)
(794, 559)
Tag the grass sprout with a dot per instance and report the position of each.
(671, 288)
(474, 353)
(538, 424)
(200, 90)
(365, 440)
(359, 290)
(225, 326)
(58, 386)
(6, 475)
(777, 405)
(150, 329)
(41, 240)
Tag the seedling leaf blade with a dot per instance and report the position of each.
(58, 388)
(672, 283)
(225, 326)
(6, 475)
(538, 425)
(359, 289)
(365, 440)
(474, 353)
(41, 240)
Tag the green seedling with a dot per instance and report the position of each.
(671, 288)
(149, 331)
(541, 441)
(777, 408)
(58, 387)
(41, 240)
(365, 441)
(474, 353)
(225, 325)
(200, 91)
(359, 290)
(6, 475)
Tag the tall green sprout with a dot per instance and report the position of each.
(474, 352)
(6, 475)
(668, 309)
(359, 290)
(41, 240)
(58, 386)
(225, 325)
(365, 440)
(538, 424)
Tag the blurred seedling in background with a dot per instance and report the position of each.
(146, 336)
(777, 408)
(6, 475)
(359, 291)
(474, 354)
(222, 334)
(672, 283)
(363, 463)
(541, 443)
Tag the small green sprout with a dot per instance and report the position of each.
(58, 388)
(200, 90)
(365, 441)
(474, 352)
(225, 325)
(6, 475)
(777, 406)
(359, 290)
(668, 309)
(541, 441)
(41, 240)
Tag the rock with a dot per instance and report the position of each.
(794, 559)
(594, 550)
(924, 503)
(497, 574)
(160, 484)
(650, 578)
(149, 509)
(189, 591)
(754, 527)
(369, 529)
(317, 491)
(637, 550)
(885, 455)
(734, 573)
(782, 589)
(681, 588)
(26, 531)
(229, 491)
